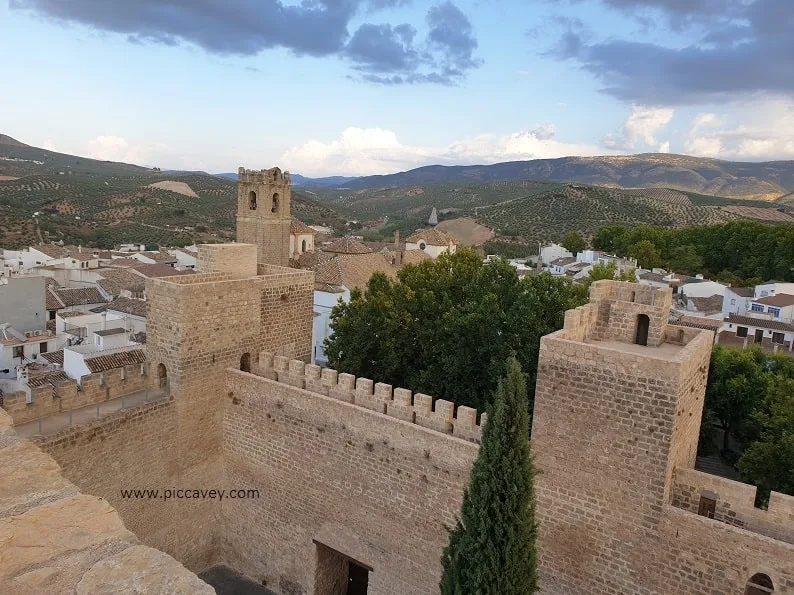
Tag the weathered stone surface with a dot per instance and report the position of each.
(29, 478)
(141, 570)
(42, 533)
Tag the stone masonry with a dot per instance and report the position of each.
(263, 213)
(351, 472)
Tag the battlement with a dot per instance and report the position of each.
(67, 395)
(733, 503)
(263, 176)
(420, 409)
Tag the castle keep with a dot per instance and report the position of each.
(357, 480)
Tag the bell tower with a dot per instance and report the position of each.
(263, 213)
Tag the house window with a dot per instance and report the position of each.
(778, 338)
(764, 293)
(19, 352)
(43, 347)
(733, 302)
(52, 314)
(741, 331)
(774, 312)
(757, 307)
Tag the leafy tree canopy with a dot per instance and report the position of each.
(573, 242)
(446, 327)
(609, 270)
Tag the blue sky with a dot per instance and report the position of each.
(353, 87)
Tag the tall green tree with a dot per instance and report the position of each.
(736, 387)
(446, 327)
(769, 461)
(646, 253)
(492, 549)
(573, 242)
(685, 259)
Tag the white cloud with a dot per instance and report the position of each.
(642, 124)
(664, 147)
(754, 130)
(116, 148)
(377, 151)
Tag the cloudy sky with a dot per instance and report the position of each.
(351, 87)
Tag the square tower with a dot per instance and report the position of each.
(618, 405)
(263, 213)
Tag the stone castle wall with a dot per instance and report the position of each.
(54, 539)
(67, 395)
(376, 488)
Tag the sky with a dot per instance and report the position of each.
(359, 87)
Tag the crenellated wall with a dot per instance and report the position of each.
(735, 503)
(340, 472)
(68, 395)
(421, 409)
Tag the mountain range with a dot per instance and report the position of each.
(732, 179)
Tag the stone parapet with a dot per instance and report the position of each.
(401, 403)
(734, 503)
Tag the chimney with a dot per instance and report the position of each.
(396, 239)
(80, 249)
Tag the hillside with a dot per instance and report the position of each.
(761, 181)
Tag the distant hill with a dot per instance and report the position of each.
(19, 159)
(299, 181)
(760, 181)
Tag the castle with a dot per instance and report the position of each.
(350, 484)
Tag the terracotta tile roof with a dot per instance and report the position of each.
(110, 361)
(299, 227)
(158, 270)
(52, 250)
(711, 304)
(78, 296)
(161, 257)
(774, 325)
(115, 281)
(652, 277)
(71, 313)
(125, 306)
(52, 378)
(346, 246)
(53, 302)
(781, 300)
(709, 324)
(742, 291)
(83, 256)
(54, 357)
(431, 237)
(414, 257)
(561, 262)
(124, 262)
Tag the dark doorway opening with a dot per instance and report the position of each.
(759, 584)
(162, 377)
(245, 362)
(338, 574)
(759, 335)
(357, 579)
(643, 323)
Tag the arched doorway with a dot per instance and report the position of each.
(759, 584)
(162, 377)
(303, 246)
(245, 362)
(252, 200)
(643, 323)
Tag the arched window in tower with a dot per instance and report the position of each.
(252, 200)
(643, 323)
(275, 203)
(245, 362)
(275, 175)
(759, 584)
(162, 377)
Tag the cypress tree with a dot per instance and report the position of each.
(492, 548)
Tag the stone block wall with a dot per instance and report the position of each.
(238, 260)
(423, 410)
(55, 539)
(68, 395)
(375, 488)
(735, 503)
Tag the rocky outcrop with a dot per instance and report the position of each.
(53, 539)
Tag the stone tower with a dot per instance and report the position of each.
(617, 409)
(263, 213)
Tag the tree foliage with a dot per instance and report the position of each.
(608, 270)
(492, 548)
(739, 250)
(446, 327)
(573, 242)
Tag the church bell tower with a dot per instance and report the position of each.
(263, 213)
